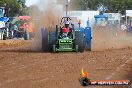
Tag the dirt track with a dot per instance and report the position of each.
(22, 67)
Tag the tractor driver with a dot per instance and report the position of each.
(65, 30)
(67, 24)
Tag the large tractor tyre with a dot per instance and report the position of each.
(44, 35)
(51, 41)
(79, 40)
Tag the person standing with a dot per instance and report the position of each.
(15, 31)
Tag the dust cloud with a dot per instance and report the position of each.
(107, 39)
(46, 14)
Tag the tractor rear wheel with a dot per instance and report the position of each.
(79, 40)
(44, 35)
(51, 40)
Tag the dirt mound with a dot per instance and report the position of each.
(13, 43)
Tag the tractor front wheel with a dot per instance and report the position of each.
(79, 41)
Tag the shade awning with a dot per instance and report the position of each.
(24, 17)
(4, 19)
(101, 16)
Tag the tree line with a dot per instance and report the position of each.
(17, 7)
(112, 5)
(14, 7)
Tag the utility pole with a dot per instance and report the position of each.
(66, 4)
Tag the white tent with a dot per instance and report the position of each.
(84, 16)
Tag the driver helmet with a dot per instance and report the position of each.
(67, 24)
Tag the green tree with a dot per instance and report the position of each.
(120, 5)
(112, 5)
(14, 7)
(22, 2)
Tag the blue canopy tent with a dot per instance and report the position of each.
(5, 19)
(100, 18)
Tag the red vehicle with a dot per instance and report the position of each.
(25, 27)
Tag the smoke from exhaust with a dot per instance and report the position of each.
(45, 14)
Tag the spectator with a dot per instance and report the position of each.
(16, 31)
(123, 27)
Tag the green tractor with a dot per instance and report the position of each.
(64, 38)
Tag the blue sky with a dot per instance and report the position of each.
(31, 2)
(39, 2)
